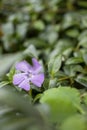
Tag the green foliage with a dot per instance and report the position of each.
(76, 122)
(54, 32)
(17, 113)
(82, 80)
(63, 102)
(54, 65)
(4, 83)
(6, 61)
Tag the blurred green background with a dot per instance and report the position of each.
(44, 24)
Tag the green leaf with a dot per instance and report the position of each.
(39, 43)
(50, 34)
(11, 73)
(4, 83)
(63, 47)
(17, 113)
(30, 51)
(72, 33)
(85, 57)
(52, 83)
(85, 98)
(6, 27)
(82, 80)
(83, 42)
(46, 83)
(71, 70)
(63, 102)
(37, 97)
(76, 122)
(6, 61)
(69, 20)
(74, 60)
(22, 29)
(39, 25)
(54, 65)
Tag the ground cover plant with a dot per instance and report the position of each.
(43, 65)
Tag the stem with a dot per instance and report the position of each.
(64, 78)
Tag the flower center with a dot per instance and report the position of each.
(29, 75)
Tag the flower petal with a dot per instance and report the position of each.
(23, 66)
(36, 64)
(25, 85)
(18, 78)
(38, 80)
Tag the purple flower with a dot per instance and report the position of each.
(28, 74)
